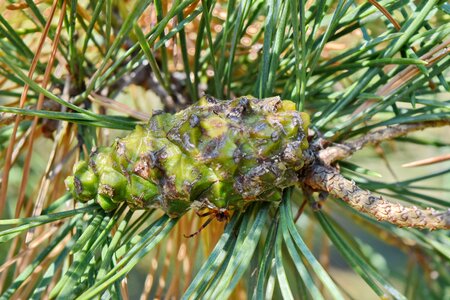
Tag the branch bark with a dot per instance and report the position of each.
(321, 176)
(334, 153)
(325, 178)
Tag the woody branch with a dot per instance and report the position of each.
(326, 179)
(322, 176)
(341, 151)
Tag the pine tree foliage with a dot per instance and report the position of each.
(76, 74)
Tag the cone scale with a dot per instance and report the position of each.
(214, 154)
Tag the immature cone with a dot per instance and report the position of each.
(216, 154)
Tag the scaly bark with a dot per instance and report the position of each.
(324, 178)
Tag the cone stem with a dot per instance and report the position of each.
(327, 179)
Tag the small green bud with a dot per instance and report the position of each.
(141, 192)
(84, 183)
(70, 185)
(106, 203)
(89, 184)
(113, 184)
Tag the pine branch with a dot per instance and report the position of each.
(342, 151)
(321, 176)
(327, 179)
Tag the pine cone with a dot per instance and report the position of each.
(216, 154)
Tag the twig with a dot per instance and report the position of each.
(427, 161)
(341, 151)
(118, 106)
(327, 179)
(405, 76)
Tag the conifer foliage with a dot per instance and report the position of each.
(188, 176)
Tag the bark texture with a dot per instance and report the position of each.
(341, 151)
(327, 179)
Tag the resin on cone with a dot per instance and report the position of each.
(214, 154)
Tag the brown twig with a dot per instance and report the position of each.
(118, 106)
(325, 178)
(321, 176)
(405, 76)
(341, 151)
(428, 161)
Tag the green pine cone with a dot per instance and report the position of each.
(215, 154)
